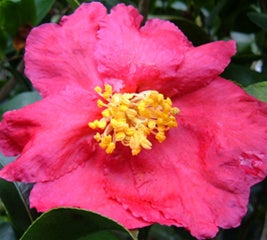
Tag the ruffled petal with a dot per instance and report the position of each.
(199, 67)
(52, 136)
(82, 188)
(125, 52)
(199, 177)
(61, 55)
(235, 120)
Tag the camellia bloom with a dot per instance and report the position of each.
(135, 124)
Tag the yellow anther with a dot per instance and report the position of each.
(168, 101)
(105, 141)
(145, 143)
(110, 148)
(136, 151)
(160, 136)
(125, 100)
(108, 88)
(131, 113)
(118, 125)
(134, 142)
(160, 121)
(114, 123)
(160, 98)
(93, 124)
(105, 113)
(108, 91)
(123, 108)
(101, 124)
(98, 89)
(130, 131)
(120, 136)
(166, 107)
(151, 124)
(100, 103)
(97, 137)
(130, 118)
(172, 124)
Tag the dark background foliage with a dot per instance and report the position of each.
(202, 21)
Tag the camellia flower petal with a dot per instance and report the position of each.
(39, 130)
(70, 45)
(135, 124)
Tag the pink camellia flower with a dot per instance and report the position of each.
(135, 124)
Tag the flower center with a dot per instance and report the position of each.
(130, 118)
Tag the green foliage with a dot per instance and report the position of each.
(6, 231)
(195, 34)
(17, 17)
(25, 13)
(71, 224)
(242, 75)
(258, 90)
(159, 232)
(19, 101)
(259, 19)
(42, 8)
(3, 44)
(14, 197)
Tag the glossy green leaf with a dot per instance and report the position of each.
(246, 58)
(15, 14)
(20, 101)
(14, 197)
(194, 33)
(72, 224)
(258, 90)
(42, 8)
(101, 235)
(242, 75)
(208, 4)
(3, 44)
(73, 4)
(159, 232)
(259, 19)
(6, 231)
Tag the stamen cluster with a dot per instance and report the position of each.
(130, 118)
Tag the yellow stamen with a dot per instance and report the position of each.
(130, 118)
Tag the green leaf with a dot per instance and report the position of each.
(159, 232)
(42, 8)
(243, 75)
(101, 235)
(20, 101)
(258, 90)
(3, 44)
(72, 224)
(6, 231)
(14, 197)
(15, 14)
(194, 33)
(260, 19)
(73, 4)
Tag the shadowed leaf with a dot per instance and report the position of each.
(72, 224)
